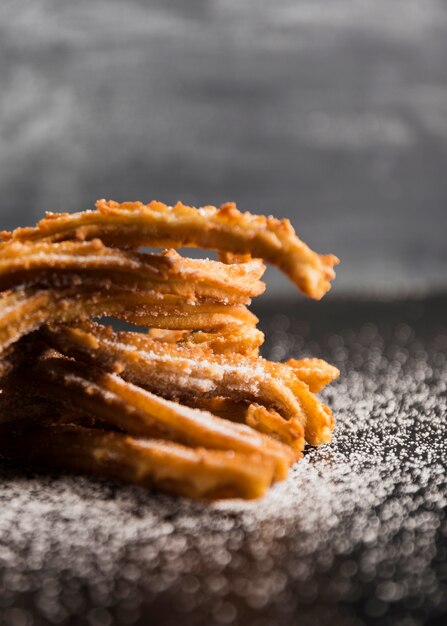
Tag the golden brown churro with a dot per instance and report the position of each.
(316, 373)
(71, 262)
(233, 338)
(196, 473)
(187, 406)
(133, 224)
(25, 310)
(269, 421)
(138, 412)
(174, 371)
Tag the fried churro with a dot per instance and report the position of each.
(185, 404)
(25, 310)
(175, 371)
(141, 413)
(133, 224)
(196, 473)
(233, 338)
(71, 262)
(268, 421)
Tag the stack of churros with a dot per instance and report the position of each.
(186, 406)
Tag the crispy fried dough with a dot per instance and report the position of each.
(268, 421)
(173, 371)
(25, 310)
(232, 339)
(271, 423)
(316, 373)
(192, 472)
(133, 224)
(76, 395)
(62, 264)
(141, 413)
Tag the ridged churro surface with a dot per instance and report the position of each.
(185, 404)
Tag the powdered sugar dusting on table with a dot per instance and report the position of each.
(357, 533)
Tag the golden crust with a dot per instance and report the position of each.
(232, 339)
(26, 310)
(242, 420)
(268, 421)
(226, 229)
(271, 423)
(195, 473)
(316, 373)
(138, 412)
(62, 264)
(177, 372)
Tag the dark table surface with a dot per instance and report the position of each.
(357, 534)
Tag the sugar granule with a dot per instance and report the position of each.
(356, 535)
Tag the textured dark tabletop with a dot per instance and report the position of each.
(356, 535)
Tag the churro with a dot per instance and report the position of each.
(184, 403)
(175, 371)
(133, 224)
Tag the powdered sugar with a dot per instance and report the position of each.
(356, 534)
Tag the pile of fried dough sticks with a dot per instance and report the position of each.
(187, 406)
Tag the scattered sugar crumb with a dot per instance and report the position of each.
(356, 535)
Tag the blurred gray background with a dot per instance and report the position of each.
(332, 113)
